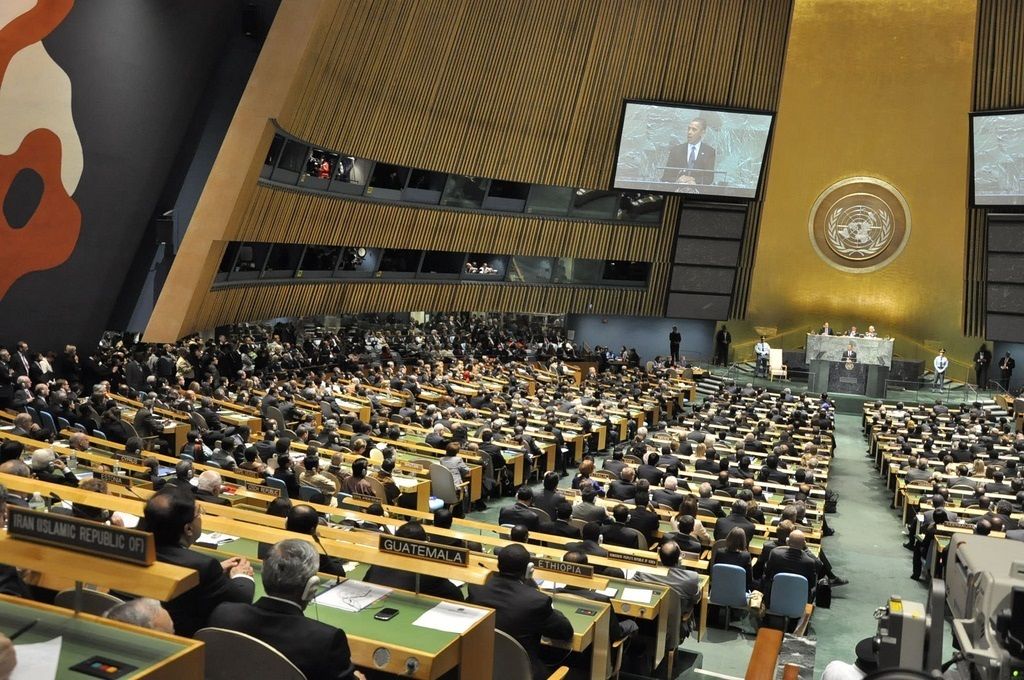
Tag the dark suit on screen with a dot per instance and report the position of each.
(699, 169)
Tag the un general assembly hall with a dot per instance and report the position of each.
(519, 340)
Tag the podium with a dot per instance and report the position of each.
(829, 373)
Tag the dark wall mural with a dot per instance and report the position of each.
(96, 100)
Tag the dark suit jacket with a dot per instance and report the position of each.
(644, 521)
(712, 505)
(146, 424)
(651, 473)
(547, 500)
(669, 498)
(190, 610)
(730, 522)
(560, 527)
(518, 513)
(678, 158)
(202, 495)
(786, 560)
(687, 542)
(523, 612)
(621, 491)
(318, 650)
(706, 465)
(620, 535)
(614, 466)
(406, 580)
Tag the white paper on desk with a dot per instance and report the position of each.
(450, 617)
(550, 585)
(640, 595)
(628, 574)
(215, 538)
(38, 660)
(609, 592)
(352, 595)
(130, 521)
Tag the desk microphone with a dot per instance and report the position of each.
(337, 577)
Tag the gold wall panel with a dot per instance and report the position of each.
(878, 88)
(529, 90)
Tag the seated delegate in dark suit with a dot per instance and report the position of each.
(406, 580)
(521, 610)
(521, 511)
(617, 533)
(560, 526)
(791, 559)
(210, 487)
(643, 519)
(320, 651)
(706, 502)
(549, 498)
(735, 553)
(667, 495)
(737, 517)
(175, 522)
(649, 471)
(684, 537)
(623, 489)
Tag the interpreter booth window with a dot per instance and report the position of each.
(399, 264)
(595, 204)
(351, 175)
(292, 163)
(273, 155)
(424, 187)
(227, 261)
(318, 262)
(441, 265)
(465, 192)
(548, 200)
(357, 262)
(626, 273)
(485, 267)
(283, 261)
(640, 207)
(319, 169)
(571, 270)
(507, 196)
(387, 181)
(530, 269)
(249, 262)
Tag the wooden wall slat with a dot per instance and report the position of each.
(528, 91)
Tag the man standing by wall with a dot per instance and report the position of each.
(1006, 366)
(982, 360)
(762, 353)
(722, 341)
(674, 338)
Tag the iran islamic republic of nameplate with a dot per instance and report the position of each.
(859, 224)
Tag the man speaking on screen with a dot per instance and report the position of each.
(693, 162)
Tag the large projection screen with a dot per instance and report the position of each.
(685, 149)
(997, 141)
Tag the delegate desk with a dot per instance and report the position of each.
(828, 373)
(156, 655)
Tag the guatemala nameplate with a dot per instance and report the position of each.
(81, 535)
(423, 550)
(859, 224)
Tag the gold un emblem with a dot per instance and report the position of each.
(859, 224)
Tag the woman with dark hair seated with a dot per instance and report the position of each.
(735, 553)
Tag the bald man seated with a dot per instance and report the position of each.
(792, 558)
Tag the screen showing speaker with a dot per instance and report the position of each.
(997, 141)
(685, 149)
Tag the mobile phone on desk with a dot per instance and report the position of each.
(386, 614)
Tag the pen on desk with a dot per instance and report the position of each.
(24, 629)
